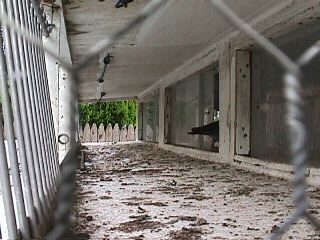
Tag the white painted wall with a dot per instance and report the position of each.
(273, 23)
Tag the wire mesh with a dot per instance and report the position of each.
(292, 86)
(294, 117)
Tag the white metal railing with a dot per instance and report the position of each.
(24, 95)
(22, 64)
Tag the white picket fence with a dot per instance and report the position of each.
(108, 133)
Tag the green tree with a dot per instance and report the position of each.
(121, 112)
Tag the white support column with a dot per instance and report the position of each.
(64, 90)
(59, 79)
(137, 122)
(243, 101)
(162, 103)
(201, 109)
(240, 87)
(225, 101)
(140, 121)
(52, 65)
(167, 116)
(233, 107)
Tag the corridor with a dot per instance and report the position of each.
(138, 191)
(235, 82)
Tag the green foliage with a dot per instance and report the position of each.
(121, 112)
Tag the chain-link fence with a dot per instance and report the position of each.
(22, 63)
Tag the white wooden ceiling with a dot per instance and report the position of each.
(178, 32)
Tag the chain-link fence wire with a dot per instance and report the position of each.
(292, 92)
(294, 115)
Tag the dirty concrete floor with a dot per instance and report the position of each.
(138, 191)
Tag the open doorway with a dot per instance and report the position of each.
(111, 121)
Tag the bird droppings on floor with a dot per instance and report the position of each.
(140, 192)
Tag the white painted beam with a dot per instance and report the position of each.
(52, 42)
(59, 79)
(224, 101)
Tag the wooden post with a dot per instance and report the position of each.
(167, 116)
(94, 133)
(116, 133)
(131, 134)
(224, 101)
(109, 133)
(101, 133)
(233, 108)
(81, 133)
(82, 160)
(201, 108)
(86, 133)
(140, 121)
(243, 101)
(123, 134)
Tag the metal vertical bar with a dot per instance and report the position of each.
(29, 91)
(26, 77)
(41, 19)
(52, 128)
(16, 100)
(45, 151)
(49, 119)
(53, 136)
(4, 171)
(50, 137)
(6, 190)
(38, 192)
(39, 122)
(47, 106)
(43, 126)
(46, 128)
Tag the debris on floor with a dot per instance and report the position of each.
(140, 192)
